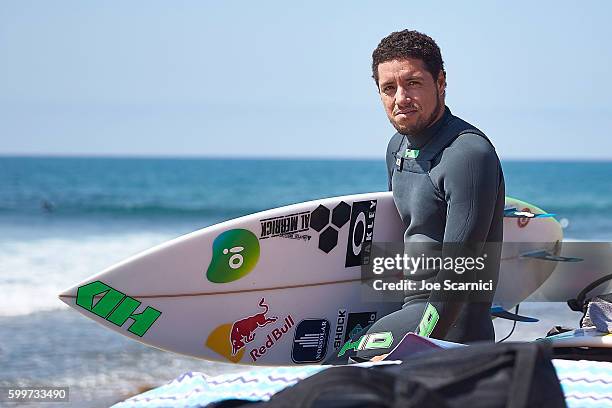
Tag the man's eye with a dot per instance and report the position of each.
(413, 83)
(388, 89)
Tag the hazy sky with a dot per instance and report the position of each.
(286, 79)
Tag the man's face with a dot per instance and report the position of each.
(411, 97)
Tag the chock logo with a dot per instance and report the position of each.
(116, 307)
(235, 254)
(230, 340)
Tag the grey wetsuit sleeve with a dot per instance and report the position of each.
(470, 180)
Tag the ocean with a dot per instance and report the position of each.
(63, 219)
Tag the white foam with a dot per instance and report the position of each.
(33, 272)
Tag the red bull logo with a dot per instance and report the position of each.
(273, 337)
(243, 331)
(231, 340)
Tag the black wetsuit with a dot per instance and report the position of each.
(448, 187)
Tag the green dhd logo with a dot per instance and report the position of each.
(116, 307)
(235, 254)
(372, 341)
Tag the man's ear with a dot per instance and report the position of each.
(441, 83)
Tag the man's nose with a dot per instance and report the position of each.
(401, 96)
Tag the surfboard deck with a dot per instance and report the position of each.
(584, 337)
(571, 277)
(279, 287)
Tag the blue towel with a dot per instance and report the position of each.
(600, 314)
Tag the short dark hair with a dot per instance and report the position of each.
(408, 44)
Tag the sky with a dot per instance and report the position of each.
(293, 79)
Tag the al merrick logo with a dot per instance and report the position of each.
(231, 340)
(284, 225)
(234, 254)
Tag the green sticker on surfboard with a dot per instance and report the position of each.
(429, 321)
(235, 254)
(370, 341)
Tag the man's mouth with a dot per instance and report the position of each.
(405, 112)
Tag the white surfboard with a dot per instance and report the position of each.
(585, 337)
(279, 287)
(572, 277)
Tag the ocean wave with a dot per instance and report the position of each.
(130, 210)
(235, 208)
(34, 271)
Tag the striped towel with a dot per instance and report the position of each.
(584, 383)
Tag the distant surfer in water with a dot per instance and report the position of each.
(448, 187)
(47, 206)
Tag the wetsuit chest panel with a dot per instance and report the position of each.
(413, 193)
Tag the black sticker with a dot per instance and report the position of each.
(357, 322)
(284, 225)
(339, 333)
(361, 230)
(327, 223)
(310, 341)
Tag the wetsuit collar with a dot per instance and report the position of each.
(418, 140)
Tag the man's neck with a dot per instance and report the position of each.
(422, 137)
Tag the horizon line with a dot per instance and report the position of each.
(125, 156)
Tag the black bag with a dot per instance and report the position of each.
(512, 375)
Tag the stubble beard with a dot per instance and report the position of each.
(420, 125)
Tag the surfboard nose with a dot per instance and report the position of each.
(67, 296)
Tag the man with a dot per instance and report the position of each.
(448, 187)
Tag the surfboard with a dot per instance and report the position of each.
(572, 277)
(585, 337)
(279, 287)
